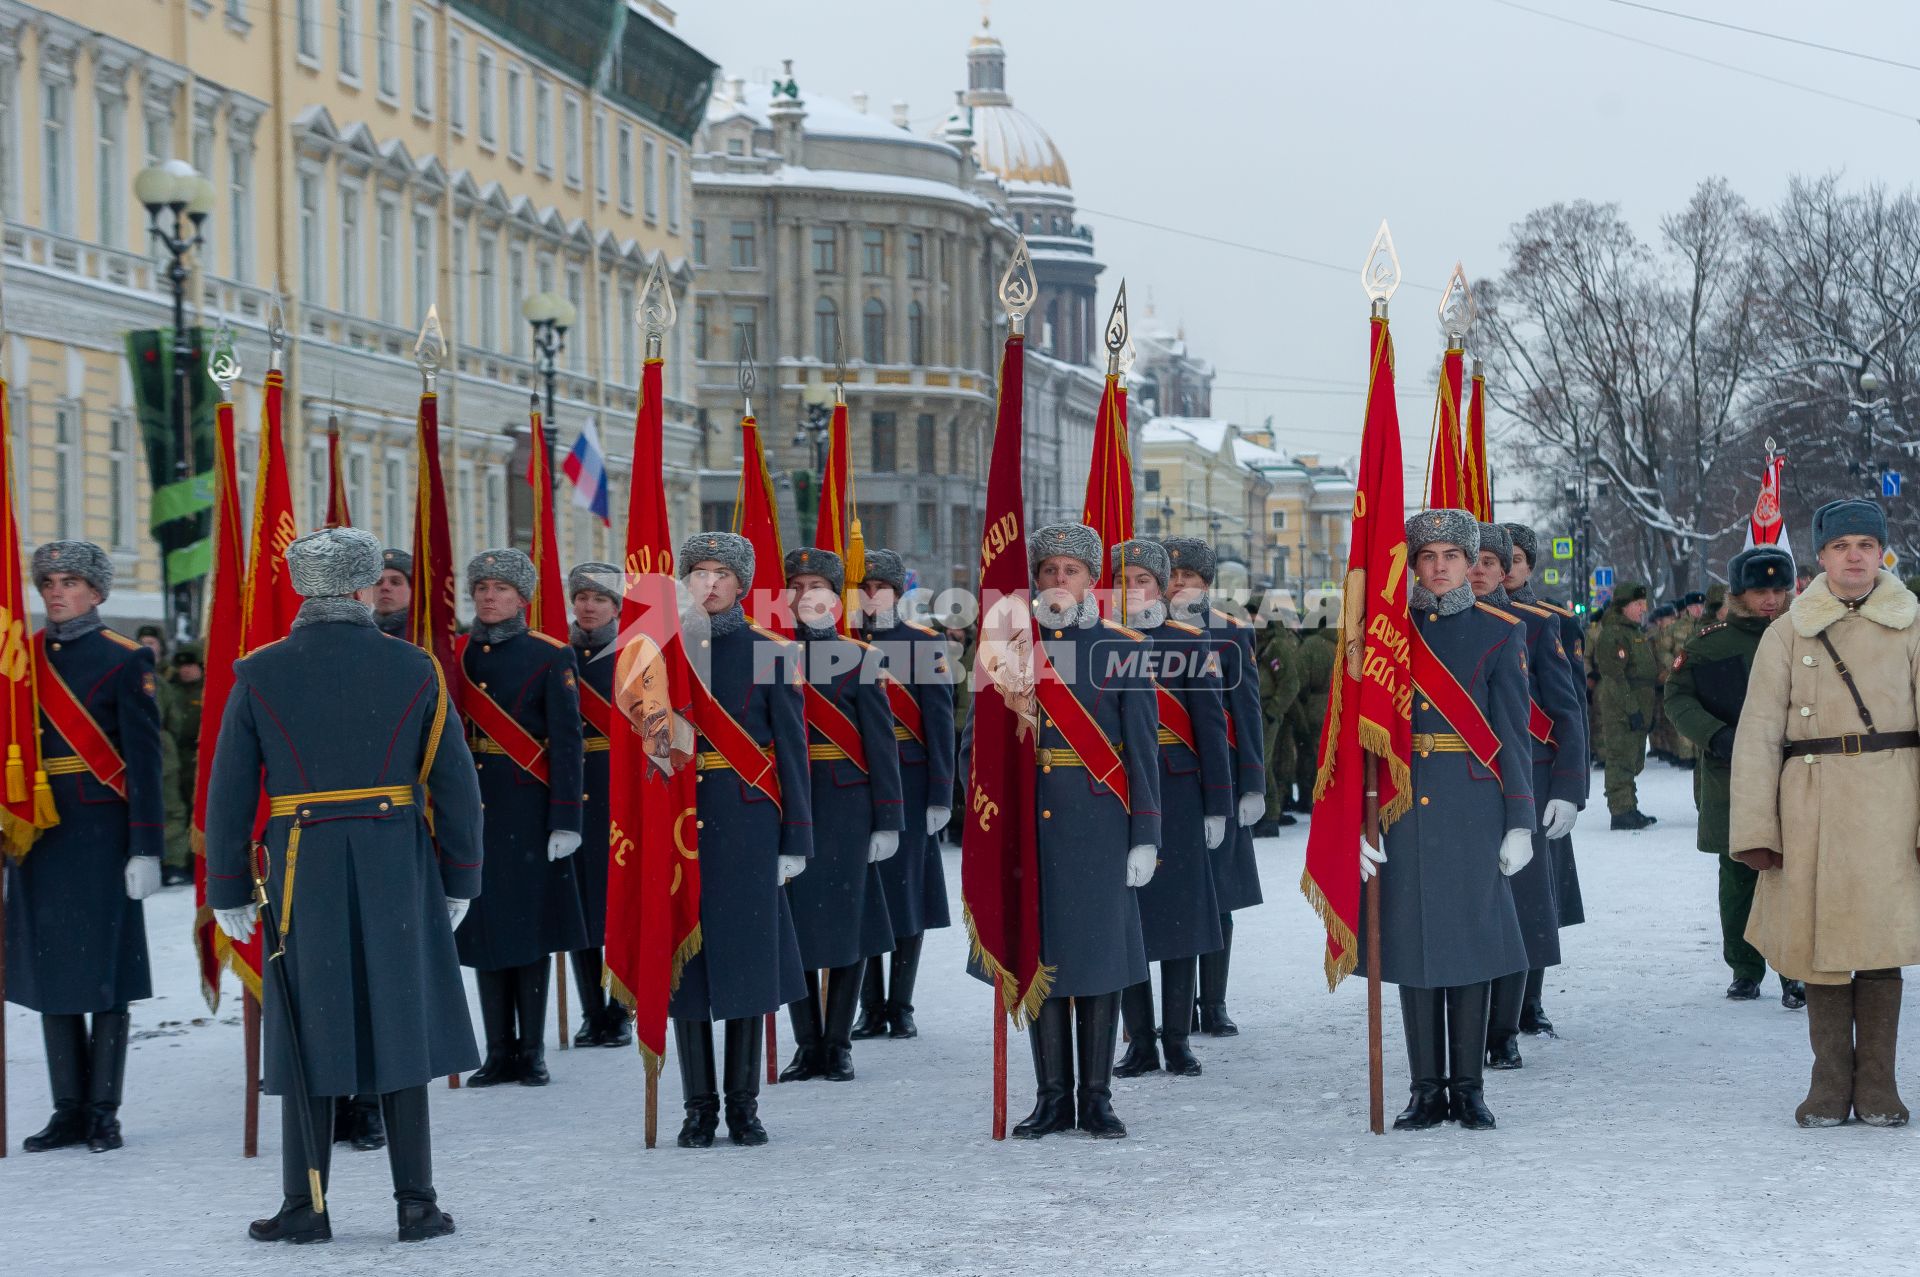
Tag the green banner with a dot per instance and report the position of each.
(180, 519)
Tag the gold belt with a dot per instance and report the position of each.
(1425, 743)
(488, 745)
(901, 733)
(599, 744)
(1167, 737)
(64, 765)
(826, 754)
(300, 807)
(715, 761)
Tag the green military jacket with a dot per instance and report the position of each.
(1623, 657)
(1703, 696)
(1277, 652)
(1318, 651)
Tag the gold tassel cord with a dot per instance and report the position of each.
(1337, 968)
(16, 775)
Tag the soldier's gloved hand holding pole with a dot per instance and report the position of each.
(937, 818)
(1141, 862)
(1516, 851)
(562, 843)
(143, 876)
(456, 912)
(1216, 828)
(237, 923)
(791, 867)
(1557, 820)
(1371, 858)
(1252, 808)
(882, 844)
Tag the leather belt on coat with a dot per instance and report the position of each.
(1851, 744)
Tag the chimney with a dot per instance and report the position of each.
(860, 101)
(736, 89)
(900, 113)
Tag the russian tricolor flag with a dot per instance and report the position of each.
(586, 468)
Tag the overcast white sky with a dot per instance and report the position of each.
(1296, 127)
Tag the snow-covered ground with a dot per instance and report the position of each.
(1655, 1135)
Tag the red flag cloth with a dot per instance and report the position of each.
(1766, 526)
(226, 604)
(754, 519)
(433, 621)
(338, 515)
(1000, 855)
(1476, 479)
(653, 865)
(1108, 508)
(1447, 490)
(833, 526)
(28, 806)
(547, 612)
(1370, 704)
(270, 601)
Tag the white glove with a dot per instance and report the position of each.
(937, 818)
(1557, 820)
(562, 843)
(456, 912)
(1216, 831)
(1516, 850)
(1252, 808)
(882, 845)
(143, 876)
(237, 923)
(1371, 858)
(1141, 862)
(791, 867)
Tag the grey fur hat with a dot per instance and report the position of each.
(83, 559)
(1526, 540)
(399, 560)
(1848, 517)
(509, 566)
(1074, 540)
(820, 563)
(1493, 536)
(333, 562)
(1139, 553)
(1760, 567)
(1191, 553)
(728, 548)
(601, 578)
(1451, 527)
(885, 565)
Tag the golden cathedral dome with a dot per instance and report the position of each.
(1007, 141)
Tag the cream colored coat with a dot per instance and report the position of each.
(1848, 895)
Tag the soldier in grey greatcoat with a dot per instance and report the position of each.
(1447, 922)
(595, 591)
(366, 896)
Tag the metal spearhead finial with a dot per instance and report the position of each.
(1380, 276)
(1772, 447)
(1018, 288)
(746, 380)
(655, 313)
(1456, 308)
(224, 365)
(276, 331)
(1117, 338)
(429, 348)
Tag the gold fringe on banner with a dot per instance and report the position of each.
(1023, 1008)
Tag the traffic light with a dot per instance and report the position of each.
(803, 496)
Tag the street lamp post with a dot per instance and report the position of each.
(1868, 409)
(551, 316)
(813, 430)
(175, 188)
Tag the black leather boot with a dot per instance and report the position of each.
(106, 1078)
(906, 970)
(1136, 1008)
(836, 1044)
(410, 1158)
(873, 1003)
(1051, 1036)
(806, 1017)
(1533, 1015)
(67, 1058)
(693, 1047)
(743, 1082)
(1096, 1025)
(496, 1019)
(356, 1121)
(1214, 1020)
(530, 1009)
(296, 1221)
(593, 998)
(1176, 995)
(1503, 1022)
(1423, 1021)
(1466, 1055)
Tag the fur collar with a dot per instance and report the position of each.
(1890, 604)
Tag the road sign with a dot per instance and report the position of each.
(1563, 547)
(1891, 561)
(1603, 578)
(1551, 576)
(1889, 483)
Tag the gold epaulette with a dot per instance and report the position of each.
(121, 639)
(1554, 608)
(927, 630)
(1183, 627)
(1132, 634)
(1527, 607)
(1491, 610)
(766, 633)
(1233, 621)
(264, 646)
(548, 639)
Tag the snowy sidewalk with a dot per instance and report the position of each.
(1654, 1136)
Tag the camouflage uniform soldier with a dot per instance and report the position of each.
(1278, 653)
(1661, 641)
(180, 730)
(1316, 684)
(1623, 658)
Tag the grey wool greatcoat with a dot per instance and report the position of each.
(749, 958)
(369, 951)
(1236, 872)
(75, 943)
(1566, 872)
(915, 879)
(530, 906)
(1179, 911)
(1560, 770)
(839, 906)
(590, 861)
(1446, 913)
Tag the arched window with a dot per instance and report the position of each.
(916, 334)
(826, 330)
(873, 332)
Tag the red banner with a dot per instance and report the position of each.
(754, 518)
(837, 525)
(28, 806)
(1476, 479)
(1108, 508)
(271, 601)
(338, 515)
(1370, 704)
(1000, 854)
(433, 620)
(1446, 449)
(547, 612)
(653, 867)
(1766, 526)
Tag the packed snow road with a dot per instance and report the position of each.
(1655, 1135)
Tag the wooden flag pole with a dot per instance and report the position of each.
(1000, 1067)
(653, 1102)
(250, 1019)
(560, 1000)
(3, 1011)
(773, 1048)
(1376, 1063)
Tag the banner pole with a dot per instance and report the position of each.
(250, 1018)
(773, 1048)
(1376, 1063)
(653, 1102)
(999, 1067)
(560, 999)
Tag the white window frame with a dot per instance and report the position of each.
(420, 42)
(486, 110)
(577, 294)
(426, 264)
(393, 497)
(386, 34)
(69, 451)
(487, 258)
(671, 180)
(317, 480)
(624, 167)
(649, 179)
(496, 504)
(629, 332)
(542, 126)
(311, 229)
(456, 82)
(56, 155)
(9, 141)
(516, 113)
(347, 40)
(516, 287)
(387, 231)
(352, 269)
(572, 142)
(306, 29)
(600, 155)
(240, 206)
(123, 433)
(462, 294)
(110, 167)
(359, 482)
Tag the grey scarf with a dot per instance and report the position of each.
(327, 609)
(1079, 615)
(593, 640)
(78, 627)
(1452, 603)
(500, 631)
